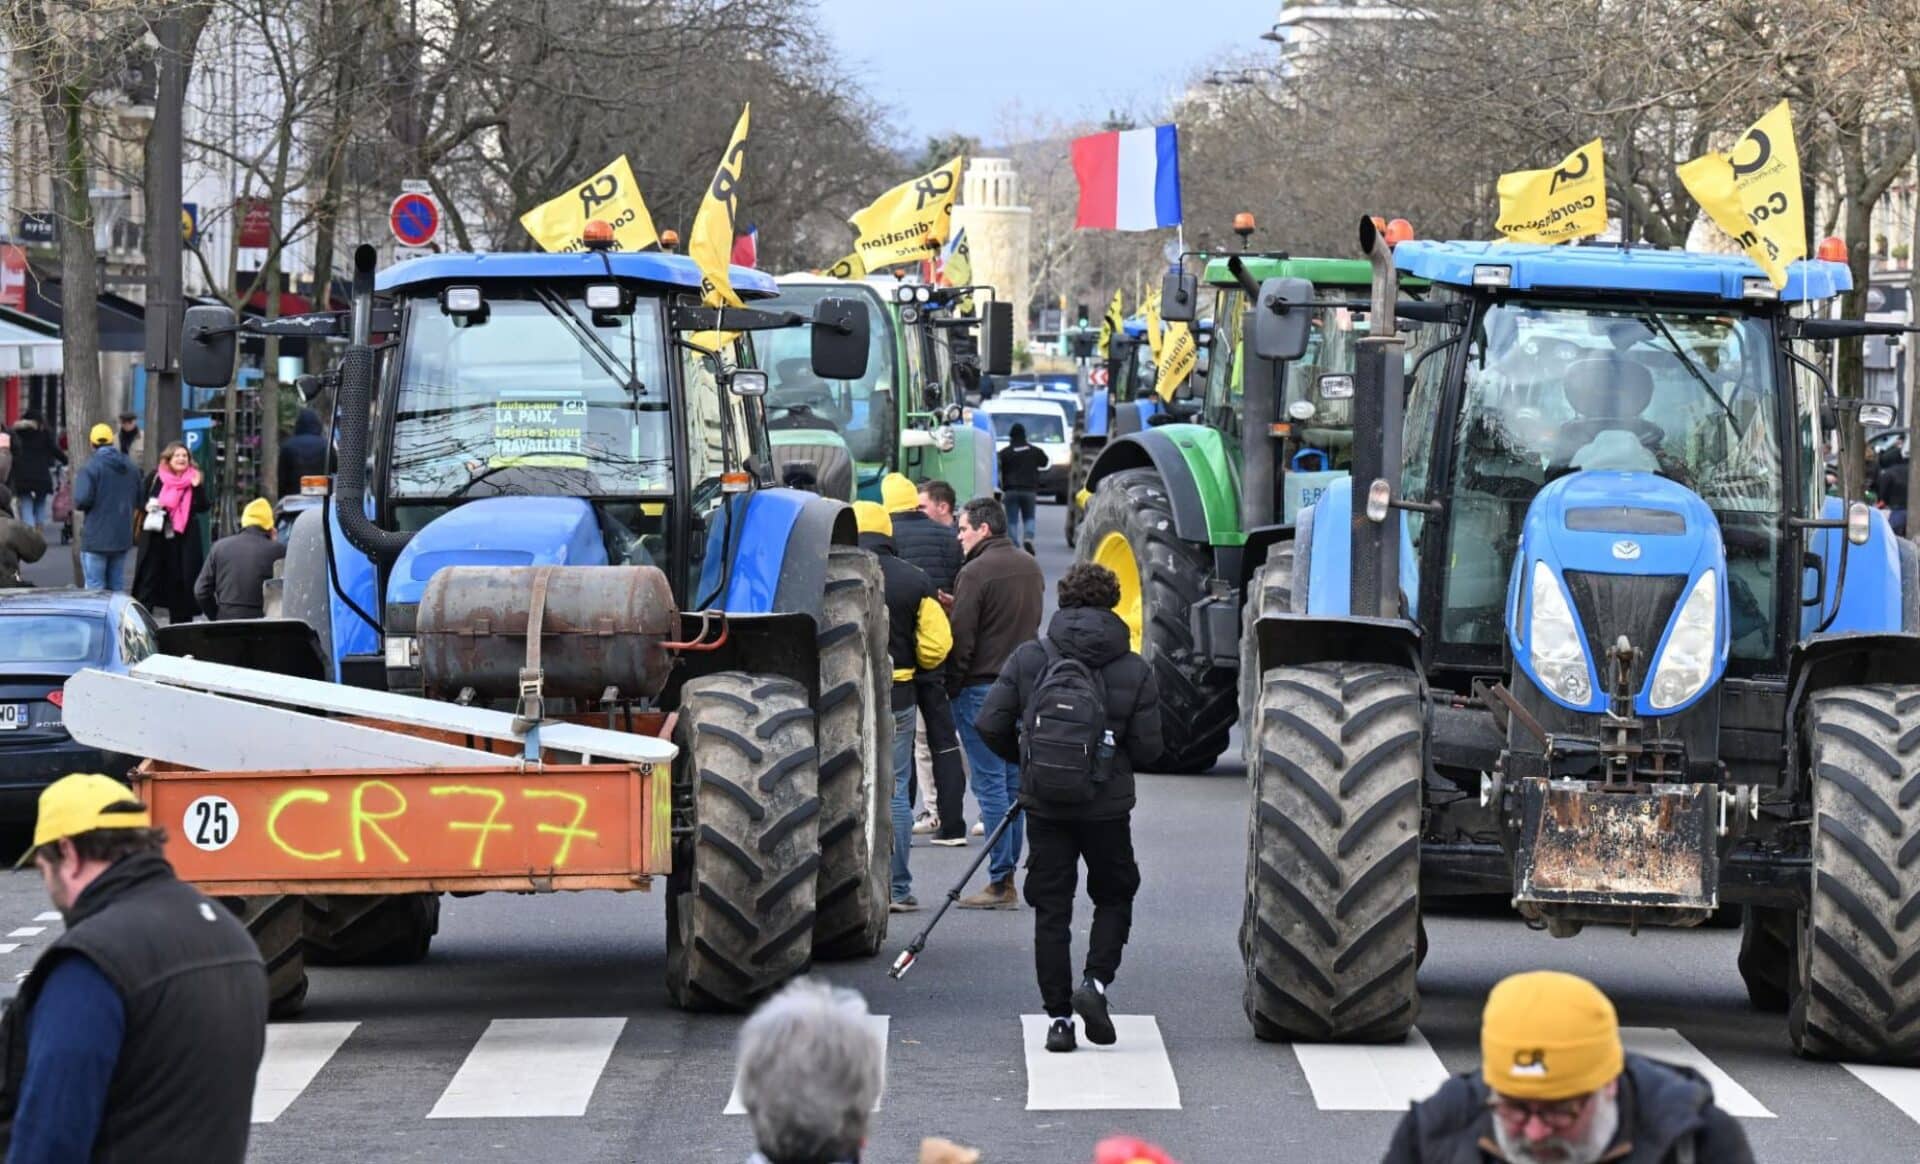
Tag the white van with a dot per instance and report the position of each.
(1047, 430)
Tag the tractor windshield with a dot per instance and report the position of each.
(531, 396)
(1551, 389)
(861, 411)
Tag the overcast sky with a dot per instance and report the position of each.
(977, 66)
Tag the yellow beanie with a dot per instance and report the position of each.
(1547, 1035)
(100, 434)
(872, 519)
(898, 494)
(258, 514)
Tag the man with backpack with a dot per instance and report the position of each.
(1077, 710)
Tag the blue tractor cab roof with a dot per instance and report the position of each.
(677, 271)
(1613, 268)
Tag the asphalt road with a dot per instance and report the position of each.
(555, 1004)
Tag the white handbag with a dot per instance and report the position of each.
(156, 519)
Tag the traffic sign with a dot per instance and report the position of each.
(1098, 377)
(415, 219)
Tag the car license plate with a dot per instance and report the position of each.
(13, 716)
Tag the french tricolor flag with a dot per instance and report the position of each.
(1129, 180)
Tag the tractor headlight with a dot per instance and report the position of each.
(1687, 663)
(1559, 657)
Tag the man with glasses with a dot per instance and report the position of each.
(1555, 1086)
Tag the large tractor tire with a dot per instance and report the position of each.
(740, 899)
(1769, 956)
(1859, 996)
(1269, 591)
(854, 723)
(1331, 928)
(275, 923)
(1129, 530)
(392, 930)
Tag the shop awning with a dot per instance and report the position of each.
(26, 352)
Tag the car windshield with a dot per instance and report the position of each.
(861, 410)
(51, 638)
(1041, 427)
(1068, 404)
(534, 396)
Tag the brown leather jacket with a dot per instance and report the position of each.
(997, 601)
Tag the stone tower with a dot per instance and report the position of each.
(998, 232)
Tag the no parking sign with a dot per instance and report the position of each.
(415, 219)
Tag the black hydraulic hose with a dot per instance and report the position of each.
(356, 401)
(326, 530)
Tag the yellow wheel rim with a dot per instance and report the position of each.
(1116, 554)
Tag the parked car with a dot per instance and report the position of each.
(46, 636)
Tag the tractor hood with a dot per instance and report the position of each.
(1606, 555)
(499, 531)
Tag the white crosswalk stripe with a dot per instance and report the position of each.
(1670, 1046)
(530, 1067)
(877, 1023)
(295, 1053)
(1357, 1077)
(1899, 1086)
(1132, 1075)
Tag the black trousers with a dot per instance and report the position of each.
(943, 742)
(1055, 849)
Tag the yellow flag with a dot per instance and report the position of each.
(1178, 354)
(909, 222)
(1151, 309)
(849, 267)
(1551, 206)
(710, 242)
(1110, 324)
(1753, 193)
(611, 196)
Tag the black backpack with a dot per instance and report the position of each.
(1063, 755)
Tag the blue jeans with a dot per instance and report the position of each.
(1020, 505)
(996, 784)
(106, 571)
(903, 723)
(36, 509)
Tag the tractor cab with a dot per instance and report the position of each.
(836, 437)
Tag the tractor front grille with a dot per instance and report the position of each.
(1635, 605)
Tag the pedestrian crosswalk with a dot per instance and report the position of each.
(552, 1067)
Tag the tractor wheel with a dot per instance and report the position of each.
(854, 723)
(275, 925)
(1859, 996)
(1269, 591)
(1129, 530)
(1769, 956)
(1078, 470)
(747, 790)
(1331, 927)
(394, 930)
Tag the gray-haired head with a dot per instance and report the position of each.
(810, 1072)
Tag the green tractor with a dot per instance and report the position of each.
(1185, 504)
(839, 438)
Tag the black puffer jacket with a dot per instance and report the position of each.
(1099, 639)
(1660, 1106)
(34, 456)
(929, 545)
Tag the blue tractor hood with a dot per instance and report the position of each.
(499, 531)
(1639, 546)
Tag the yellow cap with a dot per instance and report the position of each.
(100, 434)
(258, 514)
(898, 494)
(1547, 1035)
(78, 804)
(872, 519)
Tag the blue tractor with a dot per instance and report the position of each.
(1587, 629)
(555, 497)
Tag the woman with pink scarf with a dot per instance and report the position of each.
(170, 556)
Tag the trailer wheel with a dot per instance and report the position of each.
(855, 727)
(1769, 956)
(1859, 996)
(740, 899)
(1269, 591)
(392, 930)
(1129, 530)
(1331, 928)
(275, 923)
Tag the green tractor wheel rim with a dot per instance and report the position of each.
(1116, 554)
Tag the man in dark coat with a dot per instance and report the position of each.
(1099, 831)
(138, 1033)
(34, 457)
(1020, 467)
(1556, 1085)
(106, 490)
(233, 581)
(932, 547)
(917, 536)
(304, 454)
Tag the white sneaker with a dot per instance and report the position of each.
(979, 828)
(925, 825)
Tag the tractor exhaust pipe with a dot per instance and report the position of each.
(355, 402)
(1386, 281)
(1379, 374)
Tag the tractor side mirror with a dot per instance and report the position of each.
(1282, 319)
(841, 331)
(1877, 415)
(996, 338)
(208, 343)
(1179, 292)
